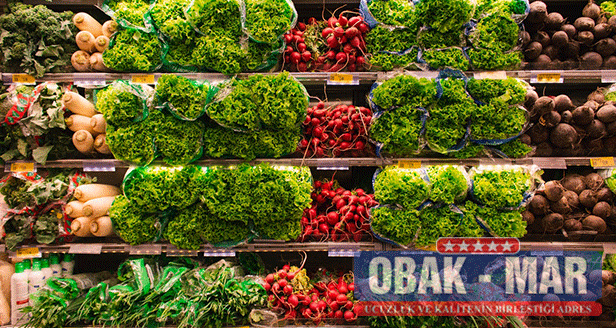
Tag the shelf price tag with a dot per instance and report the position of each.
(409, 164)
(98, 166)
(142, 79)
(22, 167)
(218, 253)
(333, 165)
(147, 249)
(28, 253)
(547, 78)
(85, 249)
(342, 79)
(24, 79)
(495, 75)
(602, 162)
(342, 253)
(550, 163)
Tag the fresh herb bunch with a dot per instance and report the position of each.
(179, 142)
(219, 142)
(497, 120)
(407, 188)
(437, 222)
(183, 96)
(491, 60)
(169, 19)
(268, 20)
(131, 224)
(501, 223)
(449, 183)
(36, 40)
(447, 125)
(122, 103)
(132, 143)
(397, 225)
(132, 50)
(186, 229)
(501, 187)
(257, 103)
(446, 58)
(405, 90)
(399, 130)
(515, 149)
(444, 15)
(510, 90)
(498, 32)
(393, 12)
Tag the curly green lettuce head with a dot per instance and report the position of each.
(446, 58)
(133, 51)
(445, 15)
(398, 130)
(179, 142)
(393, 12)
(222, 17)
(510, 90)
(120, 105)
(219, 142)
(186, 229)
(131, 224)
(497, 120)
(133, 143)
(501, 188)
(397, 225)
(449, 183)
(184, 96)
(407, 188)
(268, 20)
(405, 90)
(168, 17)
(437, 222)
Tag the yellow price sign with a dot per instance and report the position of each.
(341, 78)
(143, 79)
(24, 79)
(29, 252)
(407, 164)
(602, 162)
(22, 167)
(549, 78)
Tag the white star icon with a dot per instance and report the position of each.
(492, 247)
(464, 246)
(478, 246)
(507, 246)
(449, 246)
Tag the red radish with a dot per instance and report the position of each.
(282, 275)
(289, 49)
(362, 27)
(334, 306)
(338, 314)
(332, 21)
(332, 42)
(283, 282)
(355, 42)
(300, 33)
(343, 21)
(302, 67)
(351, 287)
(295, 57)
(314, 307)
(301, 26)
(351, 32)
(326, 32)
(355, 20)
(286, 267)
(349, 305)
(341, 299)
(338, 32)
(332, 218)
(269, 279)
(342, 40)
(301, 47)
(267, 286)
(349, 316)
(287, 289)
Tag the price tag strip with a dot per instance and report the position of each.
(333, 165)
(608, 76)
(342, 79)
(147, 249)
(495, 75)
(602, 162)
(28, 253)
(342, 252)
(85, 248)
(218, 253)
(20, 166)
(409, 164)
(23, 79)
(551, 163)
(143, 79)
(98, 166)
(547, 78)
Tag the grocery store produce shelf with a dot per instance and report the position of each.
(342, 163)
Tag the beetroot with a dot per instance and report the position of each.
(538, 12)
(593, 181)
(591, 10)
(563, 103)
(605, 47)
(560, 39)
(539, 205)
(584, 24)
(543, 105)
(528, 217)
(572, 225)
(531, 98)
(543, 38)
(608, 277)
(574, 182)
(596, 129)
(566, 117)
(607, 113)
(561, 206)
(591, 60)
(605, 195)
(553, 190)
(597, 96)
(564, 136)
(583, 115)
(550, 119)
(539, 134)
(554, 21)
(552, 222)
(602, 210)
(533, 50)
(602, 31)
(593, 222)
(572, 199)
(588, 198)
(569, 29)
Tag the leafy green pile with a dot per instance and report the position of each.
(501, 223)
(387, 62)
(131, 223)
(493, 39)
(132, 50)
(219, 142)
(122, 103)
(444, 15)
(407, 188)
(185, 98)
(179, 142)
(446, 58)
(132, 143)
(168, 17)
(500, 187)
(216, 231)
(437, 222)
(268, 20)
(272, 102)
(485, 59)
(36, 40)
(448, 183)
(497, 121)
(511, 91)
(447, 125)
(608, 8)
(515, 149)
(384, 44)
(394, 12)
(186, 229)
(509, 7)
(405, 90)
(433, 39)
(133, 13)
(398, 225)
(610, 179)
(399, 130)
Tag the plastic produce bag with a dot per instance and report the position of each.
(407, 188)
(178, 142)
(130, 13)
(452, 57)
(268, 20)
(449, 183)
(133, 50)
(507, 187)
(123, 103)
(395, 226)
(134, 225)
(184, 98)
(609, 176)
(391, 13)
(399, 132)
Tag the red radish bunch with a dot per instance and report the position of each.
(326, 297)
(330, 46)
(337, 214)
(331, 131)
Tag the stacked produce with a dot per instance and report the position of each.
(90, 210)
(335, 131)
(561, 128)
(550, 42)
(417, 205)
(215, 204)
(572, 204)
(437, 34)
(458, 119)
(151, 292)
(33, 125)
(87, 124)
(260, 116)
(92, 40)
(323, 297)
(330, 46)
(36, 40)
(36, 206)
(337, 214)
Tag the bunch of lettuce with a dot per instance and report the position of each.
(268, 20)
(444, 15)
(219, 53)
(511, 91)
(447, 125)
(270, 199)
(404, 90)
(272, 102)
(501, 223)
(397, 225)
(220, 142)
(515, 149)
(404, 187)
(393, 12)
(168, 17)
(184, 97)
(498, 32)
(132, 143)
(500, 187)
(177, 141)
(399, 130)
(446, 58)
(132, 13)
(218, 17)
(492, 60)
(385, 47)
(131, 223)
(36, 40)
(387, 62)
(122, 103)
(216, 231)
(132, 50)
(448, 183)
(433, 39)
(453, 91)
(510, 7)
(186, 229)
(437, 222)
(497, 120)
(156, 189)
